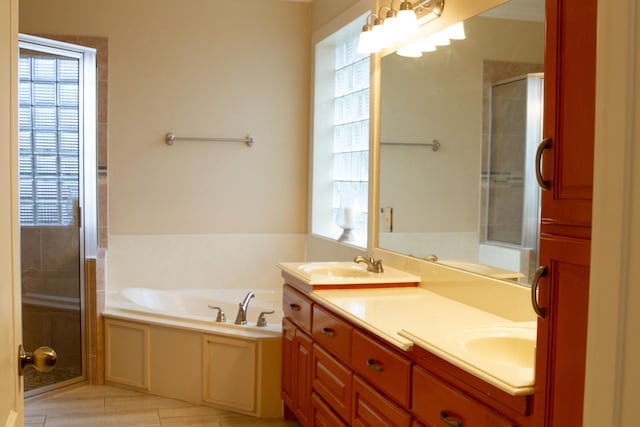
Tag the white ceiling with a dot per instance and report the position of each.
(522, 10)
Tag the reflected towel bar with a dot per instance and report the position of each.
(170, 138)
(435, 145)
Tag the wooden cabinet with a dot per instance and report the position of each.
(569, 115)
(438, 403)
(383, 368)
(336, 373)
(371, 409)
(296, 356)
(333, 381)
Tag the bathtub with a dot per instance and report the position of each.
(193, 304)
(168, 343)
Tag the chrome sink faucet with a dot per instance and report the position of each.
(241, 318)
(374, 266)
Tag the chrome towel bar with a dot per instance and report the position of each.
(170, 138)
(435, 144)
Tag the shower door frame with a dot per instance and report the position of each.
(87, 185)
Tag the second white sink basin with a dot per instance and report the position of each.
(504, 349)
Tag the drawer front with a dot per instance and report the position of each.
(380, 366)
(322, 415)
(297, 307)
(333, 381)
(371, 409)
(437, 403)
(332, 333)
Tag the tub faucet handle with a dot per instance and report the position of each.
(221, 317)
(262, 321)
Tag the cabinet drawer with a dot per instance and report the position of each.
(333, 381)
(297, 307)
(322, 415)
(383, 368)
(371, 409)
(437, 403)
(332, 333)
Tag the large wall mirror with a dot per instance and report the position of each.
(473, 203)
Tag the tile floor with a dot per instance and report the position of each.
(90, 405)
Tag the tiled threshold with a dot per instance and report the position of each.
(102, 405)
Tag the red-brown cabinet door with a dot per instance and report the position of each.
(562, 333)
(569, 113)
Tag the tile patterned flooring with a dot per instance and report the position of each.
(90, 405)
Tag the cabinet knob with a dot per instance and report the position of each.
(450, 420)
(329, 332)
(295, 307)
(373, 365)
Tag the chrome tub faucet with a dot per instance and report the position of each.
(374, 266)
(241, 318)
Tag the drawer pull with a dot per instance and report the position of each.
(544, 184)
(329, 332)
(449, 420)
(295, 307)
(371, 364)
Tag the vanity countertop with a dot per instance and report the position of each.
(495, 349)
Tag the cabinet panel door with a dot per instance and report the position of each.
(562, 334)
(322, 415)
(371, 409)
(302, 388)
(333, 381)
(438, 403)
(288, 363)
(383, 368)
(569, 111)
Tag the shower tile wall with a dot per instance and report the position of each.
(509, 156)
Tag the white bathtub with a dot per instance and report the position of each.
(193, 304)
(168, 343)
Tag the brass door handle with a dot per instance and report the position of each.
(43, 359)
(540, 272)
(545, 185)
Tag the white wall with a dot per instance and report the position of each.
(206, 68)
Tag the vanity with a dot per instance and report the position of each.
(361, 348)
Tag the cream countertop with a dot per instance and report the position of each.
(416, 316)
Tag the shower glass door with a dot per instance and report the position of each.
(51, 138)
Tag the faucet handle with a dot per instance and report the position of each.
(221, 317)
(262, 321)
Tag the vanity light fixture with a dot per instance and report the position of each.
(429, 44)
(383, 30)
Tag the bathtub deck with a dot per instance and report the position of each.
(91, 405)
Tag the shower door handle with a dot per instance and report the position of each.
(544, 184)
(43, 359)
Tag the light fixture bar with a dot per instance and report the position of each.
(426, 10)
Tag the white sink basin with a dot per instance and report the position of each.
(345, 273)
(506, 350)
(513, 346)
(338, 270)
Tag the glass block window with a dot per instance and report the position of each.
(341, 136)
(48, 139)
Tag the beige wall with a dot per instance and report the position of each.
(212, 69)
(323, 11)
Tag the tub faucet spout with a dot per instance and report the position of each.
(241, 318)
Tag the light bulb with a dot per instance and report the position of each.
(455, 32)
(367, 44)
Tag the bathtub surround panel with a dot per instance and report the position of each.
(196, 363)
(201, 261)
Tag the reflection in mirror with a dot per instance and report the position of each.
(473, 203)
